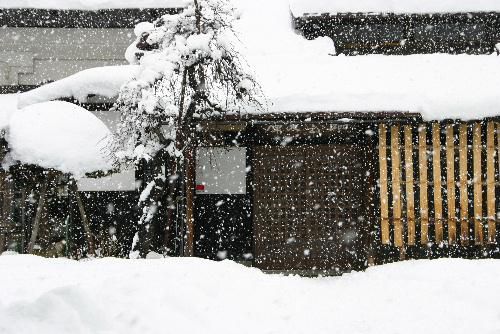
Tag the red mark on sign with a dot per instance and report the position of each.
(200, 187)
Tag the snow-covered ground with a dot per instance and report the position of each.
(190, 295)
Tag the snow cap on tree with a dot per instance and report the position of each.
(190, 68)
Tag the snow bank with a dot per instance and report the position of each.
(189, 295)
(300, 75)
(91, 4)
(301, 7)
(104, 81)
(59, 135)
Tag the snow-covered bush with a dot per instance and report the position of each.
(190, 69)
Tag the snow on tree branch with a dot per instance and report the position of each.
(190, 68)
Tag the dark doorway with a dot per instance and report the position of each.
(311, 207)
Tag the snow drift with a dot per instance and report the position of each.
(189, 295)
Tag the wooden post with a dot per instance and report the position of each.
(384, 201)
(410, 195)
(478, 187)
(3, 218)
(436, 167)
(396, 186)
(450, 185)
(490, 181)
(38, 216)
(422, 169)
(464, 197)
(85, 221)
(190, 180)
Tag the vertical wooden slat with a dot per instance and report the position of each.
(396, 186)
(478, 187)
(422, 168)
(410, 195)
(490, 180)
(450, 184)
(436, 167)
(384, 200)
(464, 199)
(190, 185)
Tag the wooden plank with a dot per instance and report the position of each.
(410, 194)
(464, 198)
(384, 197)
(436, 168)
(38, 216)
(422, 169)
(450, 185)
(396, 186)
(490, 181)
(478, 187)
(190, 188)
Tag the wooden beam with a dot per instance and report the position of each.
(464, 197)
(38, 216)
(396, 186)
(478, 187)
(423, 178)
(450, 185)
(85, 221)
(436, 168)
(490, 181)
(384, 200)
(410, 194)
(190, 188)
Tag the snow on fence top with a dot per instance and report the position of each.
(91, 4)
(302, 7)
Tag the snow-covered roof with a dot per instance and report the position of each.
(299, 75)
(91, 4)
(58, 135)
(301, 7)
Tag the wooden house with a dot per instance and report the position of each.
(324, 188)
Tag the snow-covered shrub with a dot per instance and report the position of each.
(190, 69)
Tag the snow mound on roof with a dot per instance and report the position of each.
(301, 7)
(91, 4)
(103, 81)
(190, 295)
(300, 75)
(59, 135)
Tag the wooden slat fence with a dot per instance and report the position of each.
(439, 183)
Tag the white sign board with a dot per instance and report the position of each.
(221, 170)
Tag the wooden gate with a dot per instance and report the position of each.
(310, 207)
(439, 184)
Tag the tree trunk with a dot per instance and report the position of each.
(85, 221)
(38, 215)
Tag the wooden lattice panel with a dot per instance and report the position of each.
(455, 174)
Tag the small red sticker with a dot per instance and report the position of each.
(200, 187)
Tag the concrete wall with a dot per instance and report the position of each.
(31, 56)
